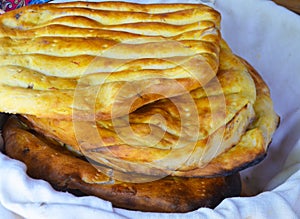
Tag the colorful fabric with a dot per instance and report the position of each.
(8, 5)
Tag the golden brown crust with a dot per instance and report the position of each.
(154, 161)
(146, 54)
(150, 146)
(129, 6)
(250, 149)
(47, 160)
(188, 37)
(268, 119)
(253, 145)
(110, 13)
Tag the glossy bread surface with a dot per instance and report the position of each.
(115, 54)
(175, 143)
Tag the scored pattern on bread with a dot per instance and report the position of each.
(250, 149)
(123, 101)
(116, 13)
(148, 47)
(230, 158)
(185, 142)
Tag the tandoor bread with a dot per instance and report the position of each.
(116, 57)
(253, 145)
(46, 159)
(144, 105)
(188, 135)
(242, 142)
(250, 149)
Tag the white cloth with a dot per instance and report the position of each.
(266, 35)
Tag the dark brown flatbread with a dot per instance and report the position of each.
(48, 160)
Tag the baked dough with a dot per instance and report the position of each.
(125, 55)
(143, 105)
(48, 160)
(253, 145)
(249, 150)
(176, 141)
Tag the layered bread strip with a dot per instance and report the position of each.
(89, 60)
(177, 136)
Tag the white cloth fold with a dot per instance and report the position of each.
(267, 36)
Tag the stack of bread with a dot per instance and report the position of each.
(144, 105)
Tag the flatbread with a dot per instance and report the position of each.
(176, 140)
(250, 149)
(48, 160)
(114, 57)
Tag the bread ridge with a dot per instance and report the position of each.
(43, 31)
(232, 94)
